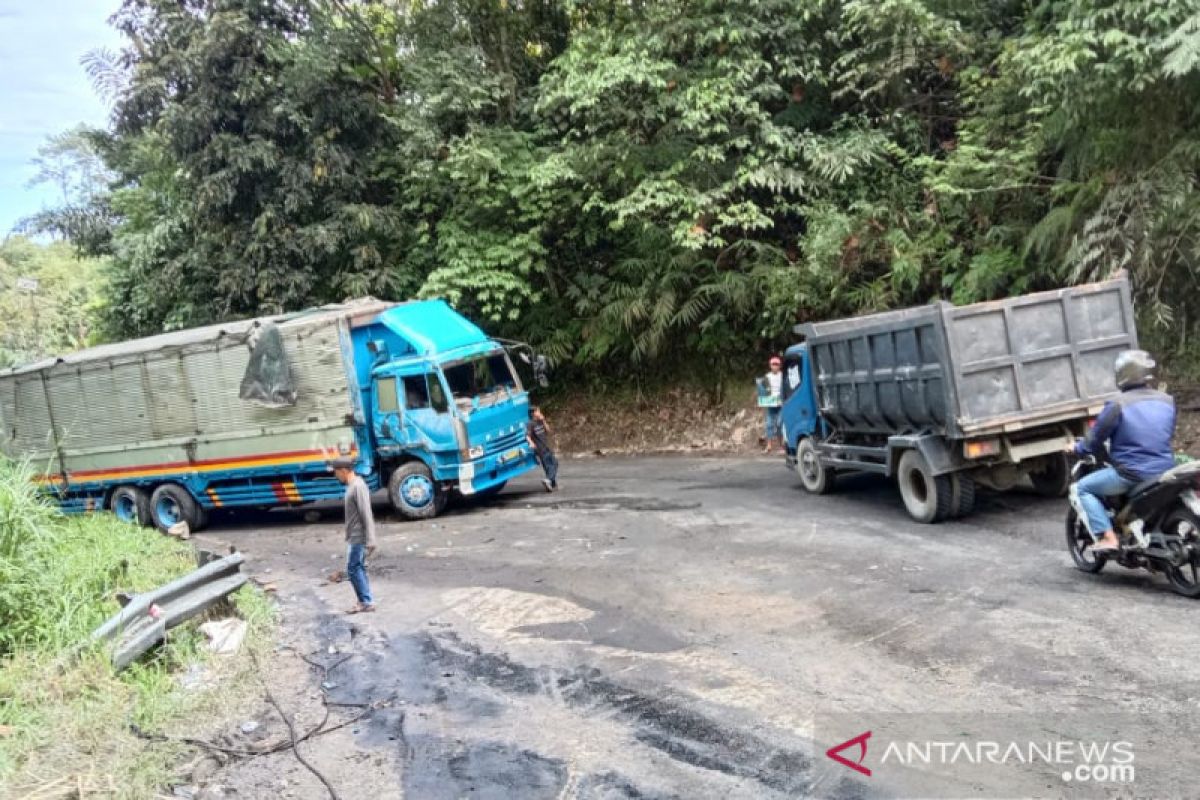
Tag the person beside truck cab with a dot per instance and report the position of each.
(770, 397)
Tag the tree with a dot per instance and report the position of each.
(74, 163)
(48, 300)
(666, 184)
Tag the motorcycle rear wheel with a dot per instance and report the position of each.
(1079, 542)
(1184, 580)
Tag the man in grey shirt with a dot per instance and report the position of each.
(360, 532)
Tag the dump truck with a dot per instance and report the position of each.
(164, 429)
(945, 398)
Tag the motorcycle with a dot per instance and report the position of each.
(1157, 522)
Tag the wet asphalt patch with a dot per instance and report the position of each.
(437, 675)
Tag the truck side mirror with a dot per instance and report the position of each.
(540, 367)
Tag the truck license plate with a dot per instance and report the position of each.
(510, 455)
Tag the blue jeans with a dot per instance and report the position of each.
(356, 571)
(773, 427)
(549, 464)
(1102, 483)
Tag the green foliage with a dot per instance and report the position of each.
(657, 183)
(59, 575)
(65, 716)
(59, 315)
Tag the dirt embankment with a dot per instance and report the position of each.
(674, 421)
(682, 421)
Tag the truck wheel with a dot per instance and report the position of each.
(172, 503)
(814, 476)
(1053, 477)
(414, 493)
(962, 491)
(131, 504)
(927, 498)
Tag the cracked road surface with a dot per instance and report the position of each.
(700, 627)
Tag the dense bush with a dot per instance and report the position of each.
(64, 713)
(59, 575)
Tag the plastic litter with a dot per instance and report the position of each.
(225, 636)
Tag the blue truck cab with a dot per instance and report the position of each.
(799, 415)
(444, 409)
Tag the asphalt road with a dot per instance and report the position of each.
(700, 627)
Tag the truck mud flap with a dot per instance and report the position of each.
(942, 458)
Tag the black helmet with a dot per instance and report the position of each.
(1134, 368)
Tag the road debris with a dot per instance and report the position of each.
(225, 635)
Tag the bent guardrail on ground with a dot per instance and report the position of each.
(135, 630)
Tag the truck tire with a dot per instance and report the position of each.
(172, 503)
(1053, 477)
(814, 476)
(131, 504)
(962, 490)
(928, 498)
(414, 493)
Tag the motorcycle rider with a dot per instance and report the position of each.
(1133, 436)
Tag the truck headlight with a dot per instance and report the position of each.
(475, 452)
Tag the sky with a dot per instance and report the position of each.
(43, 88)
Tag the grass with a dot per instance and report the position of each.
(68, 720)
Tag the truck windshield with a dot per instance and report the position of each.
(488, 378)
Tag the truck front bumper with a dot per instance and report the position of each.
(481, 474)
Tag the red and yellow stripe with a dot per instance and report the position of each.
(286, 492)
(288, 458)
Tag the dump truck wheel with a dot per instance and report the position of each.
(814, 476)
(131, 504)
(171, 504)
(928, 498)
(414, 493)
(962, 490)
(1053, 477)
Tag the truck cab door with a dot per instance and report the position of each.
(799, 414)
(386, 421)
(426, 412)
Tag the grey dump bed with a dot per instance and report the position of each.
(972, 370)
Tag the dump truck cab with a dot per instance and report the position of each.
(799, 414)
